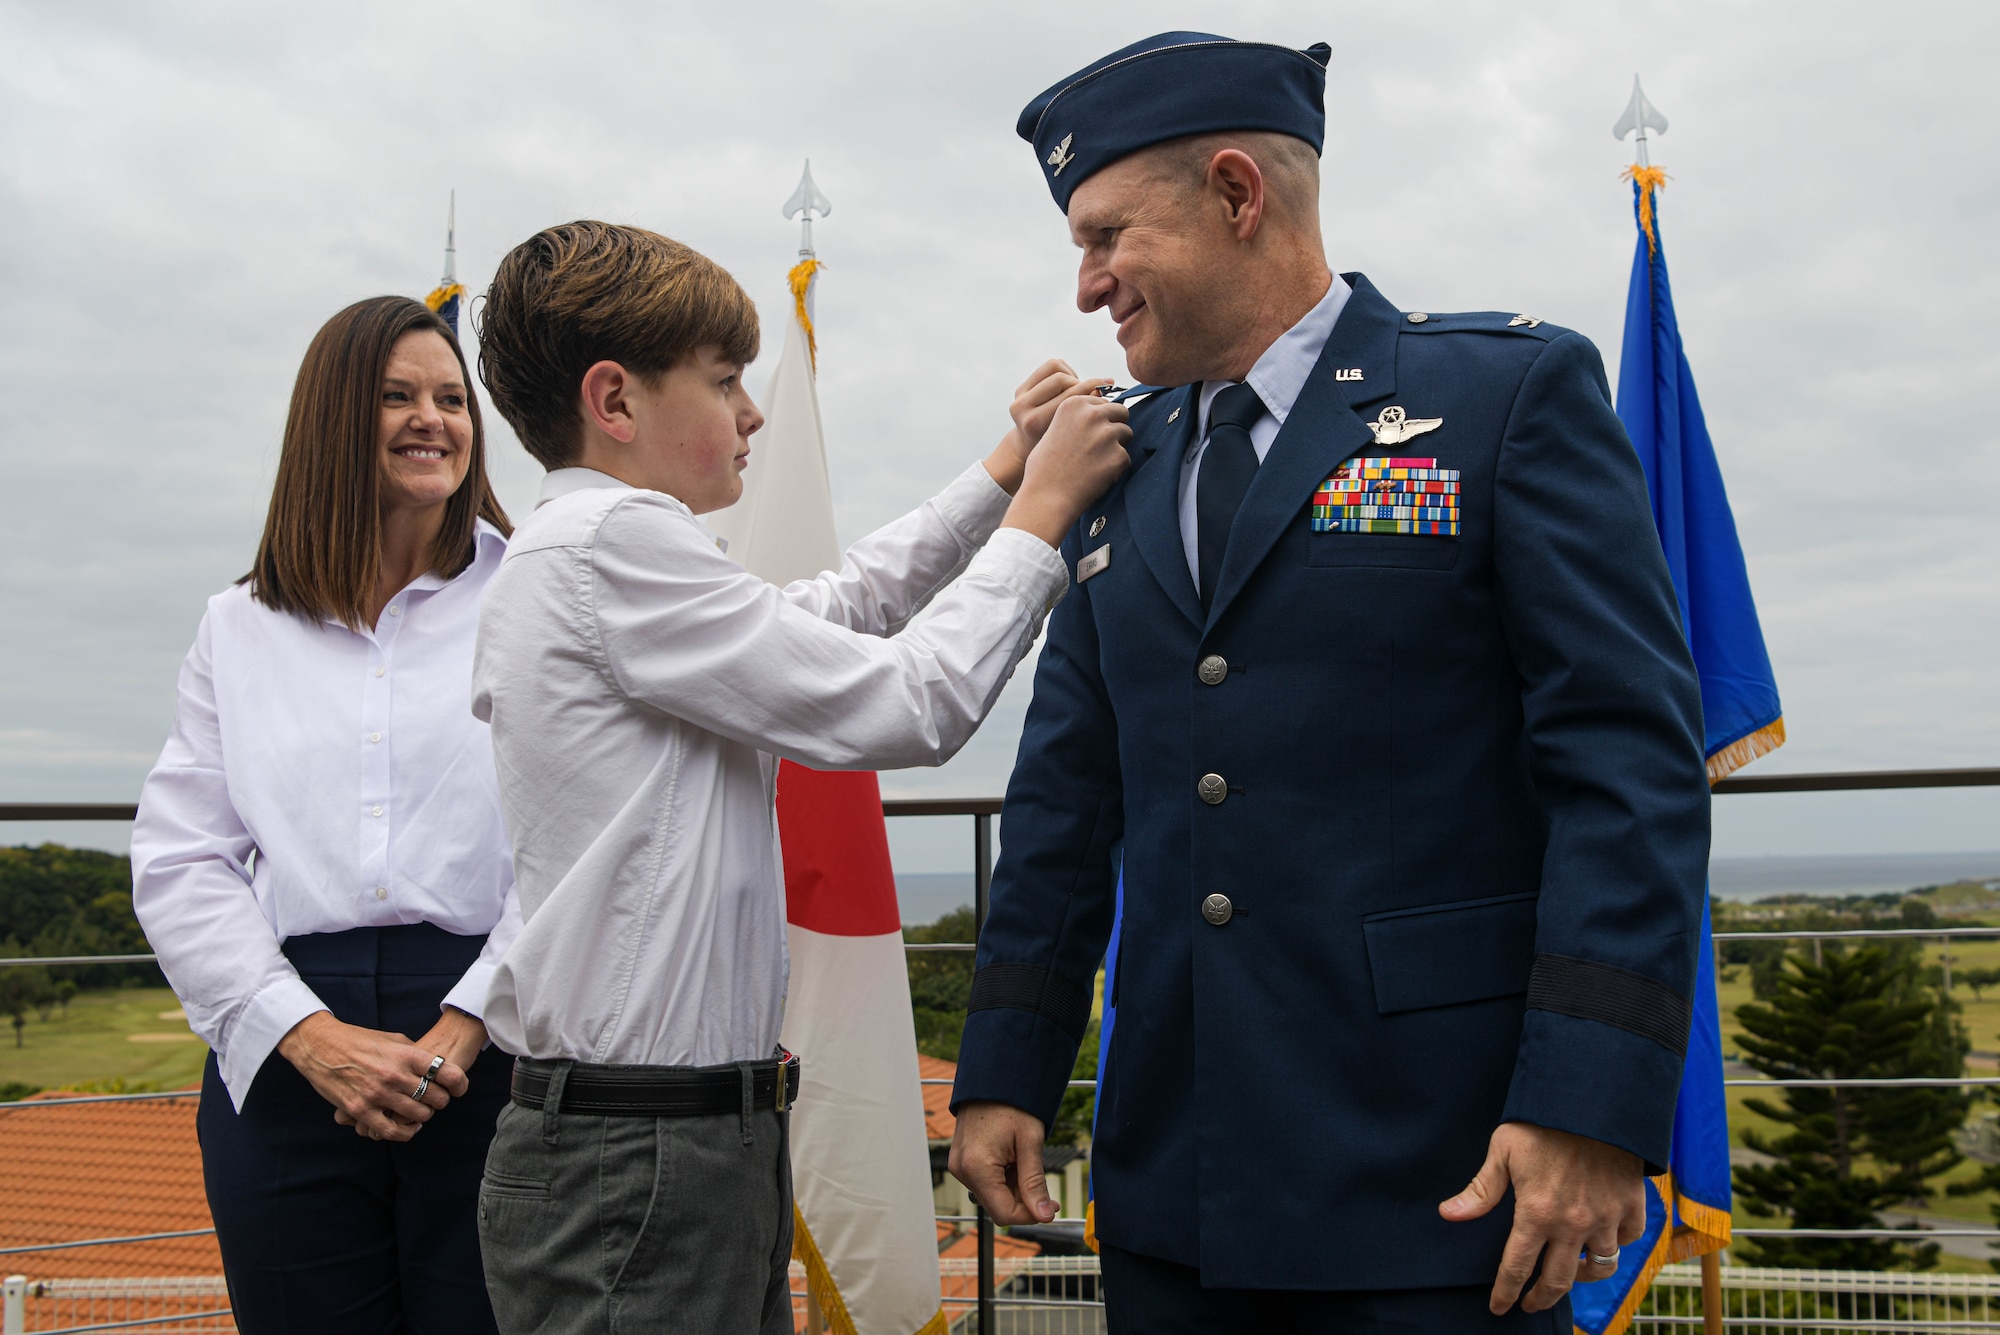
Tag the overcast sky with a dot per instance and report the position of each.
(188, 191)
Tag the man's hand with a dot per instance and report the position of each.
(369, 1076)
(996, 1151)
(1571, 1195)
(1077, 461)
(1034, 407)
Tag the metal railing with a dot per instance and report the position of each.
(987, 1300)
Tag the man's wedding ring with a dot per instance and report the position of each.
(423, 1085)
(1611, 1258)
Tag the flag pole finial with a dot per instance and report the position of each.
(451, 242)
(804, 203)
(1641, 115)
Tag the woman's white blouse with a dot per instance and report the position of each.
(319, 780)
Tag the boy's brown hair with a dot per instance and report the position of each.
(321, 552)
(586, 292)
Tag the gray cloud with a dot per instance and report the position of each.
(187, 192)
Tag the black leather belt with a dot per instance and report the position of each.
(657, 1091)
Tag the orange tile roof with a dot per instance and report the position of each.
(101, 1170)
(938, 1121)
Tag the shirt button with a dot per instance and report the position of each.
(380, 671)
(381, 892)
(374, 811)
(395, 611)
(374, 736)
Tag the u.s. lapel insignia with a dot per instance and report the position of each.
(1348, 374)
(1097, 526)
(1392, 426)
(1060, 156)
(1528, 320)
(1172, 416)
(1093, 563)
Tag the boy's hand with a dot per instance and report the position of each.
(1034, 407)
(1082, 454)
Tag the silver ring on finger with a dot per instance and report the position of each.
(1609, 1258)
(431, 1071)
(423, 1087)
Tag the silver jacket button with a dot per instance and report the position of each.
(1214, 670)
(1217, 909)
(1213, 788)
(1418, 317)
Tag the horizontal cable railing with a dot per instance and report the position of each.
(107, 1242)
(983, 810)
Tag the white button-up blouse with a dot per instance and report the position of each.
(318, 779)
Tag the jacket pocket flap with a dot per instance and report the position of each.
(1444, 954)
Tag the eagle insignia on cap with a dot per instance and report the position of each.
(1060, 156)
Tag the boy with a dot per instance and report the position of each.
(640, 686)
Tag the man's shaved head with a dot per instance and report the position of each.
(1290, 167)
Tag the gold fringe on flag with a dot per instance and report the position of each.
(1701, 1229)
(440, 296)
(801, 278)
(1648, 179)
(1746, 749)
(819, 1279)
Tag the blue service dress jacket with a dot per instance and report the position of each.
(1452, 787)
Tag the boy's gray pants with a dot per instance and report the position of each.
(593, 1225)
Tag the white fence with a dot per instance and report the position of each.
(177, 1305)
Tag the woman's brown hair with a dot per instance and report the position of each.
(321, 552)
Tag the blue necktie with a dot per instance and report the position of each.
(1227, 466)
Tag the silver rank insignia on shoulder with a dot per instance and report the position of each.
(1352, 374)
(1097, 526)
(1093, 563)
(1392, 426)
(1531, 321)
(1173, 415)
(1060, 156)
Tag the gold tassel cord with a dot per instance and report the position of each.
(801, 278)
(1648, 179)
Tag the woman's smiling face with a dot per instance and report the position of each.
(425, 432)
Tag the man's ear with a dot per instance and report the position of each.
(1237, 184)
(607, 404)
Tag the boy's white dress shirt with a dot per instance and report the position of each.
(347, 764)
(639, 685)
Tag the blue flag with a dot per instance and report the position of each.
(1687, 1209)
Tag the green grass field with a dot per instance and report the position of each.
(130, 1035)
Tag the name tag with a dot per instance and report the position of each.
(1093, 563)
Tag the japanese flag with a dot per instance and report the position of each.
(860, 1161)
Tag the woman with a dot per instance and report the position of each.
(319, 857)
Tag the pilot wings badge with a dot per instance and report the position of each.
(1060, 156)
(1392, 426)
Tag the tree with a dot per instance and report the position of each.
(1850, 1153)
(1976, 979)
(941, 983)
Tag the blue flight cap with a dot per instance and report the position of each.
(1167, 87)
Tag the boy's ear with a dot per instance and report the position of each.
(607, 402)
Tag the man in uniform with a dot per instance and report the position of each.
(1373, 690)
